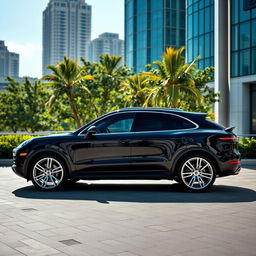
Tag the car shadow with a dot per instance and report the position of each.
(140, 193)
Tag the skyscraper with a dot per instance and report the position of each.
(9, 62)
(66, 31)
(106, 43)
(150, 27)
(223, 33)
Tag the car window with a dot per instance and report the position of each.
(116, 124)
(160, 122)
(124, 125)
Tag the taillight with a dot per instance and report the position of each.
(234, 138)
(234, 162)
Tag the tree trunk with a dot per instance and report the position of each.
(74, 110)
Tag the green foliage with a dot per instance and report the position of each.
(9, 142)
(66, 80)
(172, 81)
(74, 94)
(247, 148)
(22, 107)
(209, 97)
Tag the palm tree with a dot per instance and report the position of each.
(110, 74)
(135, 89)
(66, 80)
(110, 63)
(173, 79)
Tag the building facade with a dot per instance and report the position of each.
(66, 31)
(106, 43)
(9, 62)
(223, 34)
(150, 27)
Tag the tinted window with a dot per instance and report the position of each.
(160, 122)
(116, 123)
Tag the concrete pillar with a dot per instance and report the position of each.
(222, 58)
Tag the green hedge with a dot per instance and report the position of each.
(246, 146)
(9, 142)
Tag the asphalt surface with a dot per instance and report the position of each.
(128, 218)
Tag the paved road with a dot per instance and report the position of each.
(128, 218)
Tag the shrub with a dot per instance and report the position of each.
(9, 142)
(247, 147)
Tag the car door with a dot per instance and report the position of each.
(156, 137)
(107, 152)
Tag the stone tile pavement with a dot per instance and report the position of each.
(128, 218)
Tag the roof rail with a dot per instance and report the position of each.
(150, 108)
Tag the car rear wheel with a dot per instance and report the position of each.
(197, 173)
(48, 173)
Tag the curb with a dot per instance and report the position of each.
(9, 162)
(6, 162)
(248, 162)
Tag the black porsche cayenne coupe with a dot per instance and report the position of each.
(133, 143)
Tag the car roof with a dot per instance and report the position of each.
(138, 109)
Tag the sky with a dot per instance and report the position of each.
(21, 28)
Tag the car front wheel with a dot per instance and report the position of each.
(197, 173)
(48, 173)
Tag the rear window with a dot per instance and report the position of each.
(160, 122)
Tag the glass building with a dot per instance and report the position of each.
(150, 27)
(223, 34)
(200, 32)
(243, 42)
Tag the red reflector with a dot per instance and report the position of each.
(228, 138)
(234, 162)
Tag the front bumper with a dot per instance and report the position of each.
(18, 170)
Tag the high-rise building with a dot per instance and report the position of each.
(66, 31)
(150, 27)
(223, 33)
(106, 43)
(9, 62)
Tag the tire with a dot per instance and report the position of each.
(197, 173)
(48, 173)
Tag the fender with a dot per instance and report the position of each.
(60, 153)
(192, 149)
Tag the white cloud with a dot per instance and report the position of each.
(30, 58)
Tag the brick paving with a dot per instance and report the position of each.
(128, 218)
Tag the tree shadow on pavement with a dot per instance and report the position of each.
(141, 193)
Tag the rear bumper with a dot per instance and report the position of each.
(228, 172)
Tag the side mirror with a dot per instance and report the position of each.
(90, 132)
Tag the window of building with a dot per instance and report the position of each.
(195, 28)
(234, 34)
(244, 62)
(254, 32)
(253, 60)
(234, 64)
(244, 15)
(244, 35)
(156, 5)
(253, 108)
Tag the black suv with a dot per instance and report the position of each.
(133, 143)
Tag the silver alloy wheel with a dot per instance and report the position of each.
(197, 173)
(48, 173)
